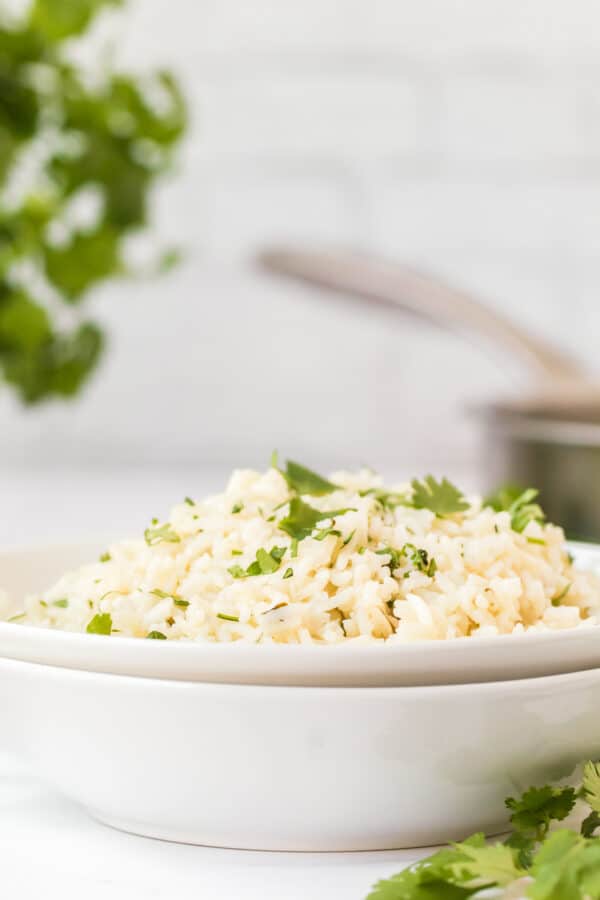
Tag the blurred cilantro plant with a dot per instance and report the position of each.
(68, 139)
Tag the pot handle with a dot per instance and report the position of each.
(372, 279)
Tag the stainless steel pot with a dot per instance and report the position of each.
(548, 438)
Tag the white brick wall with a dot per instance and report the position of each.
(463, 136)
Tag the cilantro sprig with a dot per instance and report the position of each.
(302, 518)
(561, 864)
(441, 497)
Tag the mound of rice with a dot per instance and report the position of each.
(224, 569)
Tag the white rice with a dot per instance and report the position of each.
(488, 579)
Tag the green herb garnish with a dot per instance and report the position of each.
(416, 555)
(189, 501)
(556, 601)
(165, 595)
(105, 557)
(302, 519)
(266, 563)
(288, 573)
(387, 499)
(159, 534)
(62, 603)
(156, 636)
(519, 504)
(100, 624)
(237, 508)
(304, 481)
(227, 618)
(534, 540)
(560, 864)
(441, 497)
(17, 617)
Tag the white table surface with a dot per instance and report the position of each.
(48, 846)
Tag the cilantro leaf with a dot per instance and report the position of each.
(156, 636)
(519, 504)
(266, 563)
(302, 518)
(441, 497)
(590, 824)
(63, 603)
(523, 511)
(566, 867)
(537, 807)
(304, 481)
(227, 618)
(387, 499)
(486, 865)
(100, 624)
(591, 785)
(159, 534)
(432, 878)
(416, 555)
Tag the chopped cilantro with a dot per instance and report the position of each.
(519, 504)
(100, 624)
(62, 603)
(534, 540)
(237, 552)
(556, 600)
(441, 497)
(165, 595)
(325, 532)
(105, 557)
(179, 601)
(302, 519)
(294, 548)
(304, 481)
(17, 617)
(237, 508)
(416, 555)
(156, 636)
(288, 573)
(386, 499)
(189, 501)
(227, 618)
(266, 563)
(159, 534)
(347, 540)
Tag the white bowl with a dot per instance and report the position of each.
(419, 663)
(293, 768)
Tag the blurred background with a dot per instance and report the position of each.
(460, 137)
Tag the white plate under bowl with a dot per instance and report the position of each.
(464, 660)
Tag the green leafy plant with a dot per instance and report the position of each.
(561, 864)
(69, 141)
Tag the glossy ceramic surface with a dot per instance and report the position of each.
(292, 768)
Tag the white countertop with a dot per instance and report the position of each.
(50, 848)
